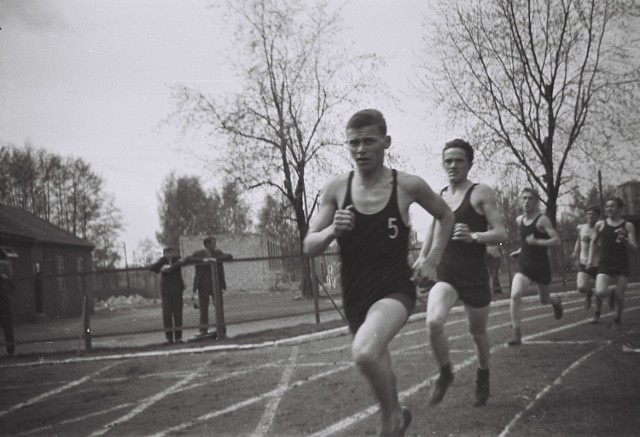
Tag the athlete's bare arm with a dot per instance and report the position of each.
(484, 203)
(330, 222)
(576, 247)
(631, 236)
(544, 224)
(436, 240)
(516, 252)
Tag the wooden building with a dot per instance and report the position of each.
(48, 268)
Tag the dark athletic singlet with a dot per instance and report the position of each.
(464, 265)
(614, 257)
(374, 258)
(534, 260)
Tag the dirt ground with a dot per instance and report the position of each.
(570, 378)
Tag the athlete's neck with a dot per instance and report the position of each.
(372, 178)
(614, 221)
(458, 186)
(532, 214)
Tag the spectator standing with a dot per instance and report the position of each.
(169, 266)
(203, 279)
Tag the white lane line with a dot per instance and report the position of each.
(272, 406)
(151, 400)
(56, 391)
(511, 425)
(76, 419)
(247, 402)
(353, 419)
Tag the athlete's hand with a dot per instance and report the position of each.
(344, 220)
(573, 256)
(424, 272)
(530, 239)
(461, 232)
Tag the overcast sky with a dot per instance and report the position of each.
(91, 79)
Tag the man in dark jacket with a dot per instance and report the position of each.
(203, 279)
(171, 288)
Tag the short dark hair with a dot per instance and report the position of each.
(460, 144)
(368, 117)
(208, 240)
(594, 208)
(532, 191)
(616, 199)
(167, 249)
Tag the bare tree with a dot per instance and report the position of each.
(281, 130)
(546, 85)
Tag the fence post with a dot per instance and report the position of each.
(86, 322)
(218, 303)
(314, 286)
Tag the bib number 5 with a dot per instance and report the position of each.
(393, 228)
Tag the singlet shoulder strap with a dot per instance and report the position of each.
(394, 186)
(347, 197)
(535, 222)
(468, 193)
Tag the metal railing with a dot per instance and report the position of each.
(115, 308)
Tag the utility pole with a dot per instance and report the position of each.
(126, 264)
(600, 191)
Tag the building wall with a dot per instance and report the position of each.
(61, 294)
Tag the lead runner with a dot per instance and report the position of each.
(367, 211)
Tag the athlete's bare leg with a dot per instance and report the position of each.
(519, 287)
(441, 299)
(584, 287)
(477, 318)
(370, 351)
(621, 287)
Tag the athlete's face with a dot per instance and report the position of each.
(456, 164)
(592, 217)
(611, 209)
(529, 201)
(367, 146)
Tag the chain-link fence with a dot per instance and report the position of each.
(117, 308)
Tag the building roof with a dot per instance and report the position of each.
(18, 223)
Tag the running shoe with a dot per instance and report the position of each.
(587, 300)
(406, 421)
(440, 388)
(557, 308)
(612, 301)
(617, 324)
(482, 387)
(516, 340)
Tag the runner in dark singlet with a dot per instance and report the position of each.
(368, 212)
(462, 273)
(534, 260)
(616, 237)
(536, 235)
(374, 259)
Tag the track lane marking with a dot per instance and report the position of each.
(272, 405)
(511, 425)
(151, 400)
(56, 391)
(355, 418)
